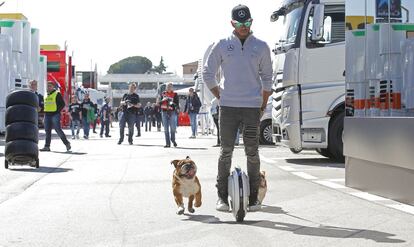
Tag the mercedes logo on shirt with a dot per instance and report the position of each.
(230, 47)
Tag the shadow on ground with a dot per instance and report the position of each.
(316, 162)
(317, 231)
(41, 169)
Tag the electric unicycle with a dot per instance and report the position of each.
(239, 191)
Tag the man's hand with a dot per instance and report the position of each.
(266, 95)
(216, 91)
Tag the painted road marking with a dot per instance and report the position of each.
(304, 175)
(369, 197)
(331, 184)
(287, 168)
(402, 207)
(342, 180)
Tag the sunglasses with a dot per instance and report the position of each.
(241, 24)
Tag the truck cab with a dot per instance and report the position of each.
(309, 86)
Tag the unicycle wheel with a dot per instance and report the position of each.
(240, 216)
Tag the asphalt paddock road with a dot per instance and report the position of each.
(104, 194)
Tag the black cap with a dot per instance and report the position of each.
(240, 13)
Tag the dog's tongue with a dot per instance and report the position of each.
(191, 173)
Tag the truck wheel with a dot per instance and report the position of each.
(6, 164)
(266, 132)
(21, 150)
(22, 97)
(22, 131)
(21, 113)
(324, 152)
(336, 145)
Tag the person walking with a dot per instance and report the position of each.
(247, 71)
(192, 107)
(130, 104)
(87, 111)
(33, 88)
(158, 116)
(170, 107)
(54, 104)
(96, 114)
(215, 109)
(140, 119)
(75, 117)
(105, 118)
(148, 111)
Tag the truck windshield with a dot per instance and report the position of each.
(291, 23)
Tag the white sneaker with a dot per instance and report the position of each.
(254, 207)
(73, 137)
(222, 206)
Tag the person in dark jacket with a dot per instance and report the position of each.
(158, 116)
(139, 120)
(75, 117)
(95, 122)
(54, 104)
(105, 118)
(148, 112)
(192, 107)
(130, 103)
(86, 106)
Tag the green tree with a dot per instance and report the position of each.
(131, 65)
(161, 68)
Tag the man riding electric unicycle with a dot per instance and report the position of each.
(247, 70)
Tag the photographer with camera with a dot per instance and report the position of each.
(169, 111)
(130, 104)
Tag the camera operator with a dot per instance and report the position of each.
(130, 104)
(170, 107)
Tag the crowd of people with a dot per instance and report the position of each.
(131, 113)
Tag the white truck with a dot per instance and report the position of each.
(309, 88)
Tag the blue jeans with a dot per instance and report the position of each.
(138, 123)
(193, 122)
(169, 120)
(53, 122)
(86, 126)
(73, 123)
(131, 119)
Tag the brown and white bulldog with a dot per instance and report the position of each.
(186, 184)
(262, 187)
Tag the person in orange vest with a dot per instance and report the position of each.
(169, 111)
(54, 104)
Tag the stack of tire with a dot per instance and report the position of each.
(22, 133)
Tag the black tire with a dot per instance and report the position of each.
(266, 132)
(21, 113)
(325, 153)
(240, 215)
(21, 151)
(6, 164)
(22, 97)
(37, 163)
(22, 131)
(336, 145)
(295, 151)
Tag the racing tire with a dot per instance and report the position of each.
(266, 132)
(22, 97)
(21, 113)
(336, 145)
(21, 151)
(22, 131)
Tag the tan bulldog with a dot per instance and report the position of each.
(186, 184)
